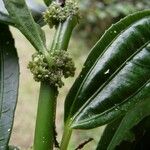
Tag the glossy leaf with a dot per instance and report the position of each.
(105, 80)
(129, 81)
(9, 80)
(23, 20)
(130, 137)
(136, 138)
(132, 118)
(108, 134)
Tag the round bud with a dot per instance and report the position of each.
(62, 66)
(56, 13)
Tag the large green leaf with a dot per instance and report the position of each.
(132, 118)
(112, 72)
(122, 88)
(133, 137)
(108, 134)
(23, 20)
(138, 99)
(9, 80)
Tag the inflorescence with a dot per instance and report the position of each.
(61, 66)
(56, 13)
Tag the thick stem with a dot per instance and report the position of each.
(63, 34)
(60, 42)
(44, 131)
(65, 138)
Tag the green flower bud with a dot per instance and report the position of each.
(62, 66)
(56, 13)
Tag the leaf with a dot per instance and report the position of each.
(132, 138)
(128, 82)
(108, 134)
(132, 118)
(9, 82)
(37, 11)
(105, 79)
(23, 19)
(137, 138)
(48, 2)
(142, 129)
(4, 17)
(76, 97)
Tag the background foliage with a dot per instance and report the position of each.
(98, 15)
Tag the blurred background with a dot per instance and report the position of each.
(97, 16)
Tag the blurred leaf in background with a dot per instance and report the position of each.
(102, 13)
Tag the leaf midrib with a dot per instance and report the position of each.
(109, 110)
(109, 79)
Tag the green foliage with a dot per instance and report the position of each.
(98, 15)
(108, 134)
(23, 20)
(133, 127)
(113, 8)
(56, 14)
(113, 88)
(125, 131)
(4, 18)
(112, 74)
(47, 2)
(60, 64)
(36, 10)
(9, 76)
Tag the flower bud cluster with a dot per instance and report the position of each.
(56, 13)
(61, 66)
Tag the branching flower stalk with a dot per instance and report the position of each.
(49, 67)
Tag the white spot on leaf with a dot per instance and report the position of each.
(106, 72)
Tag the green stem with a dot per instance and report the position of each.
(66, 138)
(44, 131)
(56, 37)
(63, 34)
